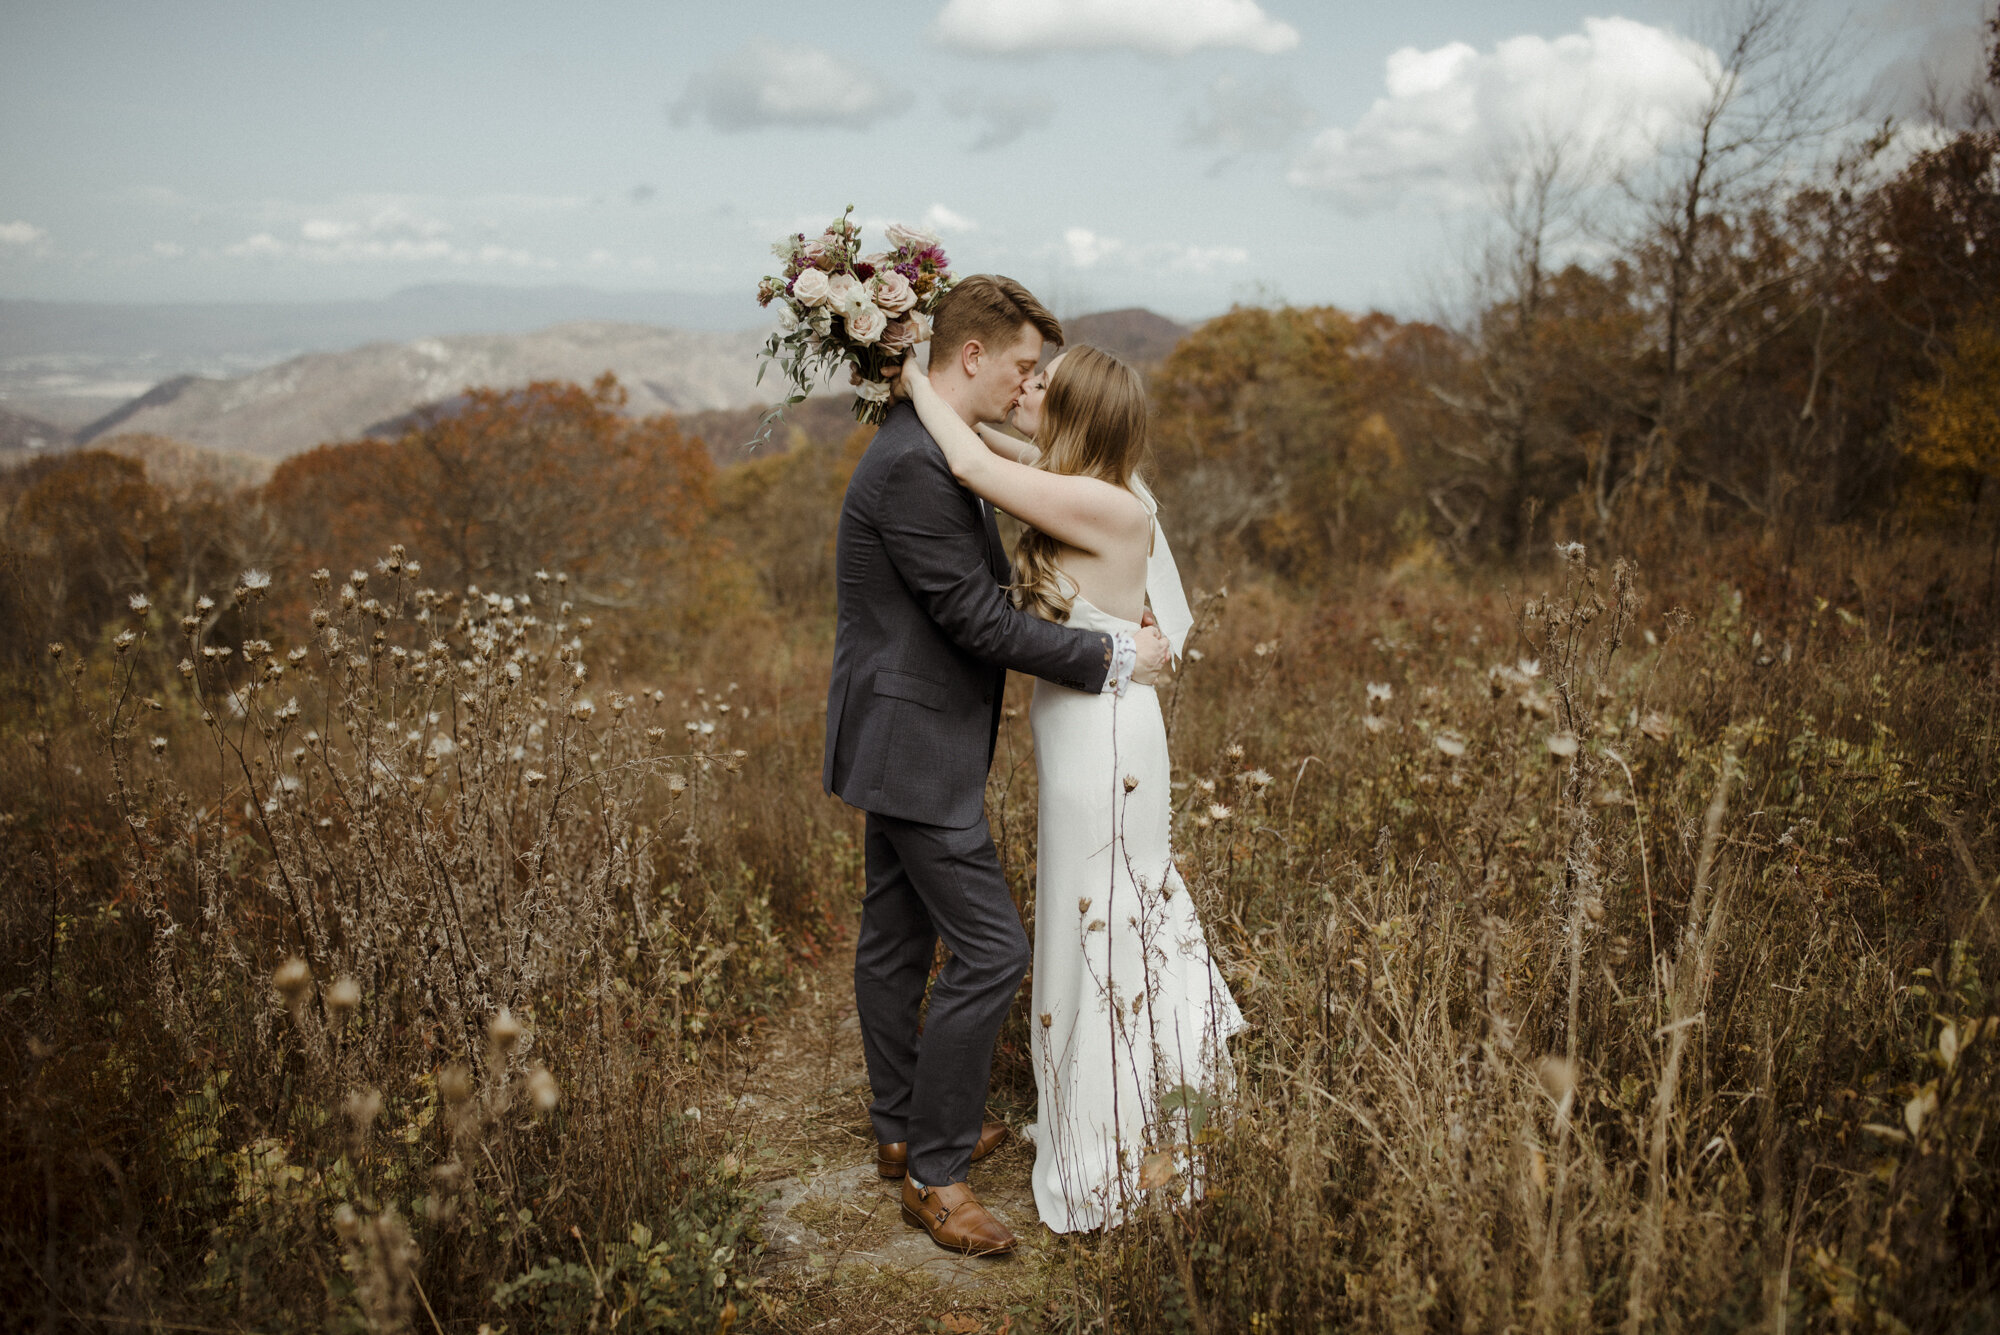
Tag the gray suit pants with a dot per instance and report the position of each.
(926, 883)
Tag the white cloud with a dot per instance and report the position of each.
(1944, 45)
(1082, 248)
(1611, 95)
(941, 219)
(765, 83)
(1241, 116)
(1085, 249)
(23, 234)
(1151, 27)
(390, 234)
(169, 250)
(1003, 117)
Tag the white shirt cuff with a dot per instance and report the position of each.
(1124, 660)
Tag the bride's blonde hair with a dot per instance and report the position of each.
(1093, 425)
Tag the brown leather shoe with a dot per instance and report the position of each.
(955, 1219)
(893, 1160)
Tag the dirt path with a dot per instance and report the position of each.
(840, 1259)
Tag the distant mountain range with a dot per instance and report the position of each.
(70, 362)
(332, 396)
(706, 377)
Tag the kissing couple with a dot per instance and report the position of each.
(1130, 1016)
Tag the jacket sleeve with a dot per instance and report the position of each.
(939, 552)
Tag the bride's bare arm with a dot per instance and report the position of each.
(1009, 447)
(1083, 512)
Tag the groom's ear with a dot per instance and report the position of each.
(971, 354)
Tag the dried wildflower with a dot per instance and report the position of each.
(582, 710)
(1048, 1020)
(1562, 745)
(1593, 909)
(1255, 778)
(1537, 704)
(1219, 812)
(159, 745)
(140, 604)
(363, 1107)
(256, 580)
(1096, 925)
(204, 604)
(186, 667)
(1234, 754)
(1083, 906)
(126, 639)
(656, 734)
(542, 1091)
(55, 650)
(1571, 552)
(534, 778)
(1450, 743)
(455, 1083)
(1657, 726)
(292, 978)
(1378, 692)
(1558, 1076)
(1131, 782)
(343, 996)
(505, 1030)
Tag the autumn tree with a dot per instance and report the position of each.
(1270, 438)
(553, 476)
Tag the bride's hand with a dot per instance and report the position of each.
(902, 376)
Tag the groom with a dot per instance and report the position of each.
(925, 637)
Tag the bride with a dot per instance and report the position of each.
(1130, 1014)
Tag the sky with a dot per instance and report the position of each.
(1179, 154)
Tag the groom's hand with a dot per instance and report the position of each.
(1155, 657)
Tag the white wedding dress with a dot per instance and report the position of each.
(1130, 1015)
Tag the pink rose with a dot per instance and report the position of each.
(892, 292)
(844, 293)
(911, 238)
(900, 336)
(811, 288)
(812, 252)
(868, 324)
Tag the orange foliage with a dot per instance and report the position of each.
(512, 481)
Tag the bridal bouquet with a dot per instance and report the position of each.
(837, 305)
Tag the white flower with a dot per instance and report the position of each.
(1450, 743)
(788, 319)
(865, 325)
(256, 579)
(140, 604)
(911, 238)
(822, 322)
(872, 391)
(810, 288)
(1379, 690)
(845, 294)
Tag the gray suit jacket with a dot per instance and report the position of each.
(926, 635)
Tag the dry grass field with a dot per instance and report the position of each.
(1616, 947)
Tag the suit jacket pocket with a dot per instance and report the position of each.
(906, 686)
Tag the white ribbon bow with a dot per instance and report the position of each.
(1163, 580)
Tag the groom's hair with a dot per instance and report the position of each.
(992, 309)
